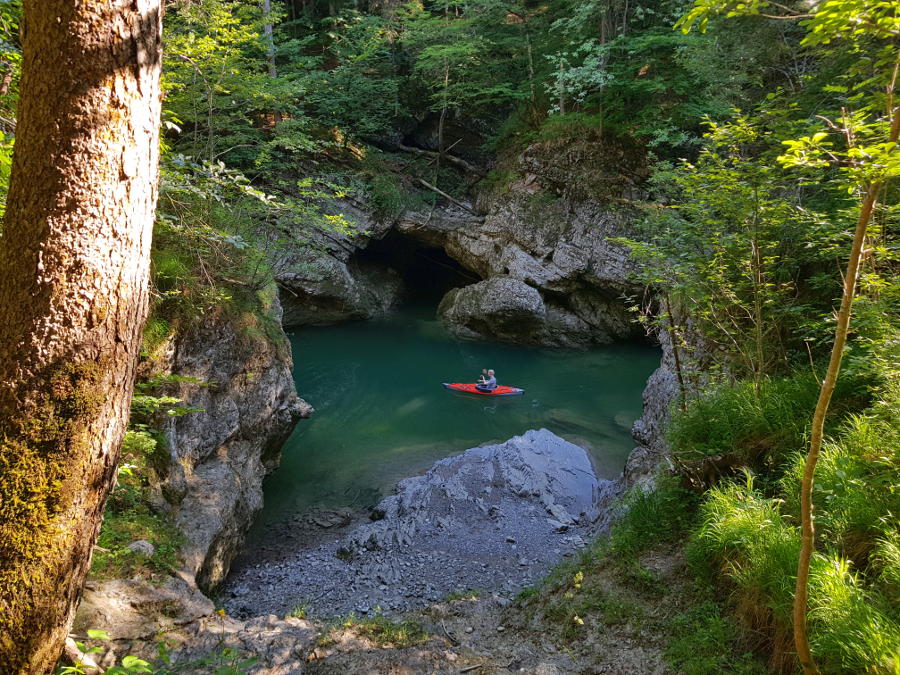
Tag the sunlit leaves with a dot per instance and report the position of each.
(830, 20)
(807, 151)
(853, 20)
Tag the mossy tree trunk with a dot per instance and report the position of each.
(74, 260)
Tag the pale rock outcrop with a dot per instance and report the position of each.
(506, 309)
(239, 380)
(322, 282)
(557, 238)
(648, 432)
(276, 646)
(566, 250)
(248, 406)
(501, 308)
(130, 609)
(663, 394)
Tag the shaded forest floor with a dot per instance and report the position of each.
(598, 613)
(596, 625)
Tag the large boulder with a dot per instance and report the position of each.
(496, 517)
(548, 477)
(503, 308)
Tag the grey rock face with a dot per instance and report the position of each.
(323, 283)
(496, 517)
(559, 248)
(502, 308)
(142, 547)
(661, 395)
(648, 432)
(506, 309)
(193, 632)
(554, 242)
(326, 290)
(133, 608)
(219, 456)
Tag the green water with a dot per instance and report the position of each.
(382, 415)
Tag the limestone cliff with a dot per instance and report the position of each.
(220, 455)
(539, 260)
(238, 376)
(321, 279)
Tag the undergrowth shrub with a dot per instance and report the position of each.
(382, 631)
(704, 641)
(749, 539)
(885, 566)
(387, 195)
(850, 629)
(132, 513)
(216, 236)
(652, 517)
(618, 581)
(129, 517)
(857, 488)
(744, 535)
(774, 422)
(156, 332)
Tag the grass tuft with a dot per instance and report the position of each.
(383, 631)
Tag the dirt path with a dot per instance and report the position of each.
(596, 625)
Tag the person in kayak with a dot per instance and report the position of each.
(488, 383)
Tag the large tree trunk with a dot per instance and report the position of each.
(73, 298)
(269, 32)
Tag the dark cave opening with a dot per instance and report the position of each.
(428, 273)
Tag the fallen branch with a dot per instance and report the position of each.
(453, 159)
(445, 195)
(453, 640)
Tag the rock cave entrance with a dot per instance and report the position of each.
(427, 271)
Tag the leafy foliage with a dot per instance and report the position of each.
(764, 423)
(210, 248)
(747, 536)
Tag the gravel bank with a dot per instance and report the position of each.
(495, 518)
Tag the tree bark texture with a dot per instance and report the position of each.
(74, 258)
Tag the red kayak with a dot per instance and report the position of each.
(470, 388)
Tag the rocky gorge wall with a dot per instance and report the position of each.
(219, 456)
(240, 380)
(534, 262)
(540, 263)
